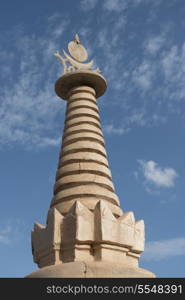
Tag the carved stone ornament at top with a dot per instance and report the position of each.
(76, 57)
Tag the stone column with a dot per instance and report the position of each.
(83, 171)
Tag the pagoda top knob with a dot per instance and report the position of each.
(77, 39)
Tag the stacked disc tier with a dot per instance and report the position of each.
(83, 171)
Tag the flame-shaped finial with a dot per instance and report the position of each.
(77, 39)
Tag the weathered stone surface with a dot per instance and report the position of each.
(85, 191)
(89, 202)
(85, 119)
(85, 126)
(110, 253)
(80, 110)
(106, 224)
(67, 270)
(73, 104)
(126, 229)
(93, 269)
(77, 234)
(82, 179)
(82, 89)
(119, 231)
(117, 269)
(139, 237)
(78, 225)
(46, 240)
(76, 252)
(80, 93)
(91, 165)
(74, 136)
(84, 156)
(132, 259)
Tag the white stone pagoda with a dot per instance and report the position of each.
(87, 234)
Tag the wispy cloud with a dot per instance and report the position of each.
(155, 75)
(88, 4)
(173, 64)
(108, 40)
(154, 43)
(147, 78)
(29, 106)
(115, 5)
(111, 129)
(158, 250)
(160, 177)
(142, 76)
(11, 232)
(137, 117)
(5, 234)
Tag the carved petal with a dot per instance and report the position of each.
(127, 218)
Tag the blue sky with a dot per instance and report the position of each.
(140, 47)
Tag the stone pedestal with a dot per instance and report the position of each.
(83, 269)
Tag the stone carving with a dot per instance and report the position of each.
(85, 235)
(77, 50)
(76, 60)
(46, 240)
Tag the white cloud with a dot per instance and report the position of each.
(140, 117)
(153, 3)
(120, 24)
(5, 235)
(28, 105)
(158, 119)
(88, 4)
(111, 47)
(45, 141)
(110, 129)
(164, 249)
(104, 40)
(173, 63)
(115, 5)
(170, 62)
(172, 66)
(154, 44)
(161, 177)
(143, 74)
(137, 117)
(59, 29)
(120, 5)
